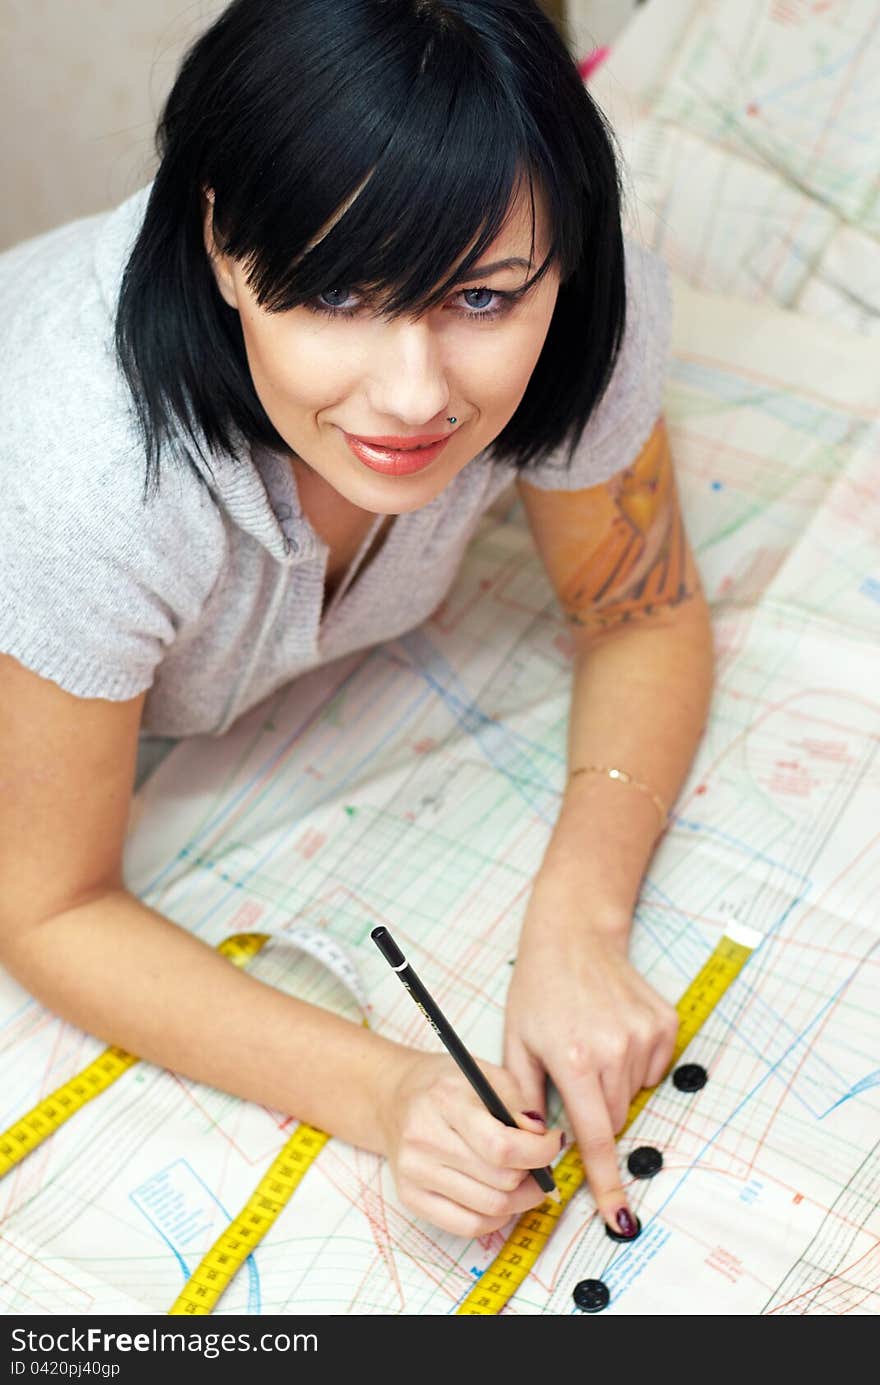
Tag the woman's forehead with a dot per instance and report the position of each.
(516, 233)
(405, 255)
(514, 238)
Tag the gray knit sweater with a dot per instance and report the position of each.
(213, 599)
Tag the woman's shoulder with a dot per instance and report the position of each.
(68, 428)
(73, 250)
(58, 295)
(623, 418)
(633, 397)
(648, 298)
(99, 577)
(72, 462)
(100, 573)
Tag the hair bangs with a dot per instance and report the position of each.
(416, 219)
(377, 146)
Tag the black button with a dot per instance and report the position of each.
(645, 1161)
(619, 1236)
(591, 1295)
(690, 1077)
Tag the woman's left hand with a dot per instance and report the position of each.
(579, 1012)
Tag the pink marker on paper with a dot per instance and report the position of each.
(587, 66)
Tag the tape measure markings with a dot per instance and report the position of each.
(221, 1263)
(232, 1247)
(31, 1129)
(217, 1268)
(533, 1230)
(274, 1190)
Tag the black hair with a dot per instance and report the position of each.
(434, 112)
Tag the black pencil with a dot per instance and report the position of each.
(456, 1049)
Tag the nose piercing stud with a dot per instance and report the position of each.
(452, 420)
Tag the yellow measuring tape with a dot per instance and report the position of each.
(534, 1228)
(229, 1252)
(52, 1112)
(231, 1249)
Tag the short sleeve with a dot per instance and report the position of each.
(95, 584)
(622, 422)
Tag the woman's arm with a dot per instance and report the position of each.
(643, 673)
(620, 563)
(96, 955)
(121, 971)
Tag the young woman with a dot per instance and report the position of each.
(250, 421)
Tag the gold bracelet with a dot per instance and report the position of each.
(623, 778)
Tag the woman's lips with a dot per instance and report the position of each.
(395, 462)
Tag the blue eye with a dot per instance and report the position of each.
(490, 292)
(335, 308)
(505, 301)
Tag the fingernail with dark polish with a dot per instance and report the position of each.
(626, 1222)
(563, 1140)
(535, 1116)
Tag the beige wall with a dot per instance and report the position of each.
(82, 82)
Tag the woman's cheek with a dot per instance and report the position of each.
(299, 368)
(496, 380)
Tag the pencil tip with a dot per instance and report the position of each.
(555, 1196)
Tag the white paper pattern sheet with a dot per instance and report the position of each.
(749, 131)
(416, 786)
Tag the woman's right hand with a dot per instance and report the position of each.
(453, 1163)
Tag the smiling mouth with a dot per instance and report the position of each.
(396, 460)
(388, 443)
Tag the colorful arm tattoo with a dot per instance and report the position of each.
(618, 551)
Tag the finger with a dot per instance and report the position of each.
(457, 1154)
(658, 1062)
(529, 1075)
(663, 1049)
(642, 1066)
(615, 1087)
(502, 1176)
(449, 1215)
(447, 1146)
(479, 1197)
(507, 1147)
(650, 1053)
(635, 1078)
(595, 1140)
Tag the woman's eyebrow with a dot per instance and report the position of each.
(515, 262)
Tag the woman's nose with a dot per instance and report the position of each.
(408, 374)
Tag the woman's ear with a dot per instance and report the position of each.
(221, 264)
